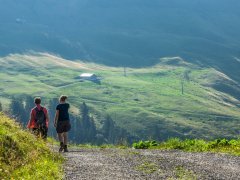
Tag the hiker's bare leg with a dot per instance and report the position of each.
(60, 137)
(65, 138)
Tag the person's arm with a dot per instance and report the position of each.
(30, 120)
(47, 117)
(56, 118)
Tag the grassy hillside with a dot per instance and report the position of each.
(148, 102)
(24, 157)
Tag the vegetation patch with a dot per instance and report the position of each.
(144, 144)
(183, 174)
(25, 157)
(147, 167)
(196, 145)
(103, 146)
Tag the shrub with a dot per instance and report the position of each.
(194, 145)
(144, 144)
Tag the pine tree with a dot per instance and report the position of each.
(1, 109)
(85, 121)
(17, 109)
(52, 107)
(88, 125)
(92, 130)
(75, 134)
(29, 104)
(79, 131)
(85, 115)
(114, 134)
(52, 104)
(108, 129)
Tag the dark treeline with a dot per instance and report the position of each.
(1, 108)
(84, 128)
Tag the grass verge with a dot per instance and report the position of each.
(22, 156)
(195, 145)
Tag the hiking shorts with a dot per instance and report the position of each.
(63, 126)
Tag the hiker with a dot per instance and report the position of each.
(62, 122)
(39, 120)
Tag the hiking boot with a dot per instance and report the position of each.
(65, 148)
(61, 147)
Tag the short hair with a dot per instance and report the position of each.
(63, 98)
(37, 100)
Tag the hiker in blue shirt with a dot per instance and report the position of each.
(62, 122)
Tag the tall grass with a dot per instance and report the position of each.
(196, 145)
(22, 156)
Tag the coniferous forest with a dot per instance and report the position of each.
(84, 129)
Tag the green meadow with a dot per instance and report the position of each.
(171, 99)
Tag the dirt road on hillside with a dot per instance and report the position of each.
(125, 164)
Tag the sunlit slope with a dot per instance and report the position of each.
(22, 156)
(172, 98)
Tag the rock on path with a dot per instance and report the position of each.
(114, 164)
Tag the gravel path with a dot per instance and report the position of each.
(114, 164)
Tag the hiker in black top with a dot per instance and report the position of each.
(62, 122)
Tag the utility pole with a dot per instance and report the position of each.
(125, 71)
(182, 83)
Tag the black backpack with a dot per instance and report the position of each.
(40, 117)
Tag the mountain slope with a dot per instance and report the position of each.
(126, 33)
(147, 102)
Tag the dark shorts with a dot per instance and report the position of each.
(41, 132)
(63, 126)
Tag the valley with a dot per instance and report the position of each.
(173, 98)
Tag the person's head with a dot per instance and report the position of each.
(63, 98)
(37, 100)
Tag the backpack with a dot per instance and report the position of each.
(40, 117)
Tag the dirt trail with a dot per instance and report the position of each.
(114, 164)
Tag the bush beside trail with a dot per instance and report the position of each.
(22, 156)
(144, 144)
(194, 145)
